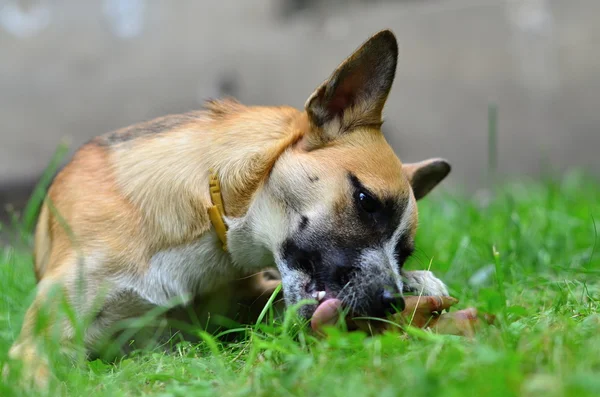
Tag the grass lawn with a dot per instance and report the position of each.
(542, 284)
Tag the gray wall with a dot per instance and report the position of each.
(69, 70)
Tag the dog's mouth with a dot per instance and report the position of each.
(333, 306)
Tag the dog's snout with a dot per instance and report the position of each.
(391, 302)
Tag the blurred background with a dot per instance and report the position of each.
(73, 69)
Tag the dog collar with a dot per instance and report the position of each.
(217, 211)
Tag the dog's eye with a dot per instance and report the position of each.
(367, 202)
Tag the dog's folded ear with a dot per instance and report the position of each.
(356, 92)
(425, 175)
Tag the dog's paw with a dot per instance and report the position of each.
(424, 282)
(33, 373)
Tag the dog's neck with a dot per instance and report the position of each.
(166, 175)
(246, 143)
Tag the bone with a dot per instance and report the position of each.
(421, 312)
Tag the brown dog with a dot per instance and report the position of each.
(318, 194)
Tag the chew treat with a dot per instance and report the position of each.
(463, 322)
(427, 315)
(420, 311)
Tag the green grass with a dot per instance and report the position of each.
(526, 254)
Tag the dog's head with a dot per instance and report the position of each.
(340, 204)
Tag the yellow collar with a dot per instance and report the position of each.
(217, 211)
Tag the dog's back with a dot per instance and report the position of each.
(82, 205)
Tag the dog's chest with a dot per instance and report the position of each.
(178, 274)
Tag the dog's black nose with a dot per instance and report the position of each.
(392, 302)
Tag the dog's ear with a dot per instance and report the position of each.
(425, 175)
(356, 92)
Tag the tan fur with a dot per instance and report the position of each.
(138, 197)
(42, 241)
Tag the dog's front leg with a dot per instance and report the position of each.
(242, 300)
(423, 282)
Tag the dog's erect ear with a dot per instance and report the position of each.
(357, 90)
(425, 175)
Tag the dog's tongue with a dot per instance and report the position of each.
(327, 313)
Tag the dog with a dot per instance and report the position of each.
(188, 206)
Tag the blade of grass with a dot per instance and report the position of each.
(595, 240)
(499, 275)
(412, 316)
(265, 309)
(492, 143)
(32, 208)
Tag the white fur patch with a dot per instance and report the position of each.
(178, 274)
(253, 238)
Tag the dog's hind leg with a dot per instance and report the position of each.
(42, 320)
(69, 313)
